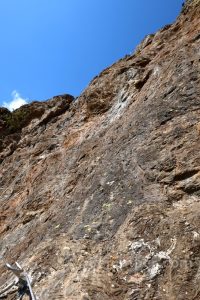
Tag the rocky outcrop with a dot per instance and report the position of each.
(100, 200)
(39, 113)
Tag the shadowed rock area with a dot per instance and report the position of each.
(100, 195)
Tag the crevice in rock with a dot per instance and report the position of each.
(191, 189)
(185, 175)
(171, 90)
(141, 82)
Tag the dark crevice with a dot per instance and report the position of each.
(141, 62)
(185, 175)
(122, 70)
(169, 91)
(140, 83)
(193, 189)
(196, 38)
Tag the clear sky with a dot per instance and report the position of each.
(51, 47)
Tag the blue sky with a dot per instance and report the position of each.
(51, 47)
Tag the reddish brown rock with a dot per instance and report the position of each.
(100, 197)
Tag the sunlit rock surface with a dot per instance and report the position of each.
(100, 195)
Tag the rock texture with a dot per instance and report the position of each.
(100, 196)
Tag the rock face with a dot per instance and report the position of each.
(100, 196)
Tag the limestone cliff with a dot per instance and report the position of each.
(100, 195)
